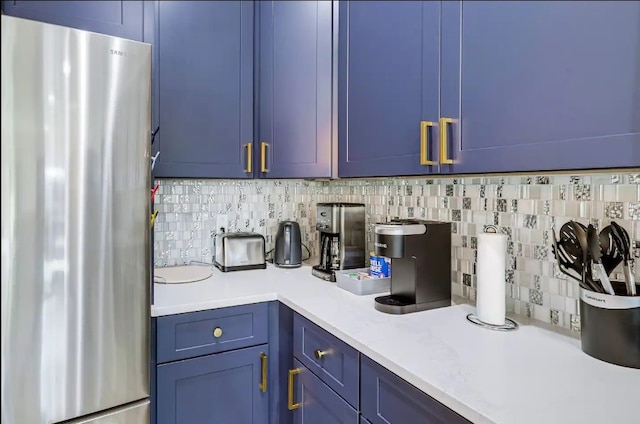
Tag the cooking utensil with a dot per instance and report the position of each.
(580, 232)
(568, 260)
(611, 255)
(596, 254)
(622, 240)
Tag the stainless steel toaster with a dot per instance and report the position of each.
(239, 251)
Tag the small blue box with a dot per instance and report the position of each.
(379, 266)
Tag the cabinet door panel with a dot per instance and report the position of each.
(386, 398)
(295, 88)
(319, 404)
(388, 83)
(205, 71)
(216, 388)
(117, 18)
(542, 85)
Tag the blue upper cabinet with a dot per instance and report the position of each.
(119, 18)
(541, 86)
(294, 101)
(204, 88)
(388, 87)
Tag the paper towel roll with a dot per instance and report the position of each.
(490, 295)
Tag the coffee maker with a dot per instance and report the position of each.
(420, 253)
(342, 238)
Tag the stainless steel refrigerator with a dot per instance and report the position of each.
(76, 112)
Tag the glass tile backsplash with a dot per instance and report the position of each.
(526, 207)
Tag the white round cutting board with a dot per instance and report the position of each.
(182, 274)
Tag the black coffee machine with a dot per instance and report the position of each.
(420, 253)
(342, 238)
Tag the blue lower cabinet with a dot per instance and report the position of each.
(318, 404)
(221, 388)
(118, 18)
(388, 399)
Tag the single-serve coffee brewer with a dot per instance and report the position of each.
(420, 253)
(342, 238)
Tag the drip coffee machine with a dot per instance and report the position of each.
(342, 238)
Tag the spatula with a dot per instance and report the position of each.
(596, 254)
(622, 240)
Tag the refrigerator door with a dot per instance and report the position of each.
(75, 222)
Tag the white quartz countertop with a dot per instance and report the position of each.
(531, 375)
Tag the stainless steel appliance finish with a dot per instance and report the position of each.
(75, 224)
(239, 251)
(342, 238)
(135, 413)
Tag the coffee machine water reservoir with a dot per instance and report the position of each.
(342, 238)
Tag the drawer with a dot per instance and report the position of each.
(201, 333)
(332, 360)
(318, 403)
(386, 398)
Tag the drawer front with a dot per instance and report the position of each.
(332, 360)
(386, 398)
(201, 333)
(318, 403)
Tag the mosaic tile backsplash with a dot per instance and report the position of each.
(525, 207)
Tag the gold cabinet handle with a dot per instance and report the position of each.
(424, 143)
(444, 138)
(263, 157)
(217, 332)
(263, 362)
(249, 157)
(290, 403)
(320, 353)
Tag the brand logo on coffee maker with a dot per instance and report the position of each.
(382, 245)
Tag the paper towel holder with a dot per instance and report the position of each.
(509, 324)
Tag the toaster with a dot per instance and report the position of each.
(239, 251)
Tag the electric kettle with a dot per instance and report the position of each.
(288, 249)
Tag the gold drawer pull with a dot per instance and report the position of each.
(263, 361)
(263, 157)
(217, 332)
(290, 403)
(320, 353)
(444, 138)
(249, 157)
(424, 143)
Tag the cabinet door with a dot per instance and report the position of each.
(221, 388)
(318, 403)
(388, 399)
(388, 82)
(295, 89)
(542, 85)
(205, 88)
(117, 18)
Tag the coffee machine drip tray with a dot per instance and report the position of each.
(391, 304)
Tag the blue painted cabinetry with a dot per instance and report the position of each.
(294, 122)
(508, 86)
(222, 388)
(542, 85)
(388, 399)
(319, 404)
(193, 384)
(118, 18)
(388, 87)
(204, 88)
